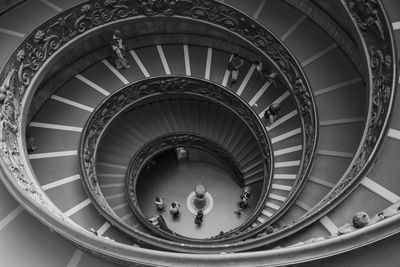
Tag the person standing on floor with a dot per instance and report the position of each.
(159, 202)
(199, 217)
(174, 209)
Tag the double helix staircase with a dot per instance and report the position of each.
(341, 101)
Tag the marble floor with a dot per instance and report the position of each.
(176, 181)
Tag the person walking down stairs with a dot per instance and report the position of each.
(118, 49)
(233, 66)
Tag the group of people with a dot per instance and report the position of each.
(174, 210)
(234, 64)
(160, 205)
(245, 197)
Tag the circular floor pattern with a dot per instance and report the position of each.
(191, 206)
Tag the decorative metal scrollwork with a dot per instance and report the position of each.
(38, 48)
(370, 18)
(53, 35)
(129, 95)
(365, 13)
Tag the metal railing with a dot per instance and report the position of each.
(164, 87)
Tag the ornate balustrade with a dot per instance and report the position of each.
(35, 55)
(128, 96)
(22, 73)
(375, 31)
(292, 74)
(378, 45)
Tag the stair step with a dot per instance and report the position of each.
(261, 220)
(195, 116)
(219, 123)
(212, 114)
(169, 114)
(186, 114)
(250, 154)
(255, 164)
(225, 130)
(235, 138)
(253, 180)
(267, 213)
(203, 116)
(255, 172)
(277, 197)
(167, 128)
(272, 206)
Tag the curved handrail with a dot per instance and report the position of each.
(27, 62)
(296, 80)
(375, 31)
(126, 97)
(11, 168)
(376, 35)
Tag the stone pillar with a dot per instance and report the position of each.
(200, 201)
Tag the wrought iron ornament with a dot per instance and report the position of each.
(127, 97)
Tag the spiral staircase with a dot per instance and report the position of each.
(79, 198)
